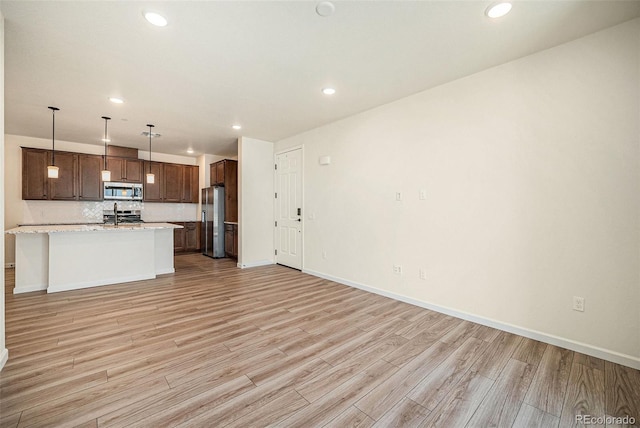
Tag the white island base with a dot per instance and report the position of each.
(61, 258)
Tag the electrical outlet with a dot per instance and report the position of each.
(398, 196)
(423, 274)
(422, 194)
(578, 303)
(324, 254)
(397, 269)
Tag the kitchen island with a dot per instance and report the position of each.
(69, 257)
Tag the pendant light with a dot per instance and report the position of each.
(150, 177)
(52, 170)
(105, 173)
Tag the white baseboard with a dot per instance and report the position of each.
(29, 288)
(255, 264)
(98, 283)
(9, 265)
(4, 356)
(594, 351)
(165, 271)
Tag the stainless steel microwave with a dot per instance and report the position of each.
(123, 191)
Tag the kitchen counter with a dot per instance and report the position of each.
(68, 257)
(57, 228)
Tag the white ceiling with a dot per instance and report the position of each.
(258, 63)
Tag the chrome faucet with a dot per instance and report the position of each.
(115, 214)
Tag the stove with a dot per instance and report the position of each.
(124, 216)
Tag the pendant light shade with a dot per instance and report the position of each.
(52, 170)
(151, 178)
(105, 173)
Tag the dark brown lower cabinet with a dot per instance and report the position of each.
(187, 238)
(231, 240)
(178, 239)
(192, 236)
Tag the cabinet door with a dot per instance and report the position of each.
(34, 174)
(178, 239)
(231, 191)
(231, 240)
(190, 183)
(217, 173)
(191, 238)
(235, 241)
(89, 179)
(173, 179)
(228, 239)
(63, 188)
(198, 236)
(220, 166)
(153, 192)
(212, 174)
(133, 171)
(116, 167)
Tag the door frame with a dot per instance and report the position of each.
(275, 205)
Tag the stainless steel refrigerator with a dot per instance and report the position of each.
(212, 233)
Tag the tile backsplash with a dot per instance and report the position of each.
(54, 212)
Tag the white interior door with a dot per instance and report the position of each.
(289, 209)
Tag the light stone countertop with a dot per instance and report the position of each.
(56, 228)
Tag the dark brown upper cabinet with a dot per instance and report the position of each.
(89, 178)
(78, 176)
(35, 184)
(64, 188)
(225, 173)
(125, 170)
(154, 192)
(191, 184)
(178, 183)
(173, 182)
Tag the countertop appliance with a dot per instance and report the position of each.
(123, 216)
(122, 191)
(212, 236)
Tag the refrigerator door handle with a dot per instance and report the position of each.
(204, 216)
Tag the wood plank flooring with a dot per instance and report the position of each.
(216, 346)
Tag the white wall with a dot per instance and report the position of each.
(255, 202)
(3, 349)
(531, 174)
(35, 212)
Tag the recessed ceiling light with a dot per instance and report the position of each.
(155, 19)
(116, 100)
(237, 127)
(190, 151)
(328, 91)
(498, 9)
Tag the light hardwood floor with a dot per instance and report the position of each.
(215, 346)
